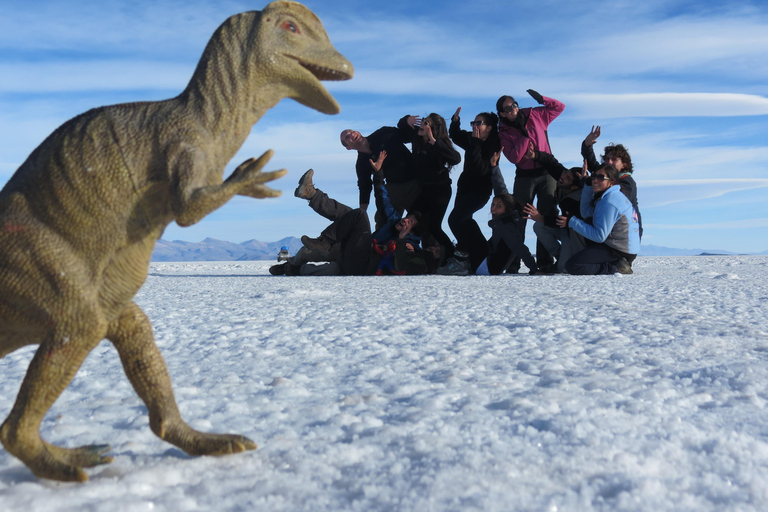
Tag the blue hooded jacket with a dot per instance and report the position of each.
(614, 221)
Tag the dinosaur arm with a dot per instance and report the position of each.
(192, 201)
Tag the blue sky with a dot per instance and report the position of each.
(682, 84)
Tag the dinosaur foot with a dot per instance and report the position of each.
(85, 456)
(200, 443)
(65, 464)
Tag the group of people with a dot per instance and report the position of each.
(586, 219)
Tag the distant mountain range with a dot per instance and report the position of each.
(211, 249)
(658, 250)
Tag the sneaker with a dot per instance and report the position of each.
(319, 244)
(454, 267)
(623, 266)
(306, 188)
(278, 270)
(283, 255)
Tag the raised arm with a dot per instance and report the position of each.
(587, 150)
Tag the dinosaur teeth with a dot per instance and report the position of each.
(323, 73)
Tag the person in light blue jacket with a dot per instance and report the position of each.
(614, 227)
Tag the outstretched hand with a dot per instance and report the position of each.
(584, 171)
(496, 157)
(414, 121)
(535, 95)
(593, 135)
(455, 116)
(532, 213)
(379, 161)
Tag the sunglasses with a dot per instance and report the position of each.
(600, 177)
(509, 108)
(476, 123)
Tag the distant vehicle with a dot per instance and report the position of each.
(283, 255)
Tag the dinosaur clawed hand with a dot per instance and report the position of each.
(251, 180)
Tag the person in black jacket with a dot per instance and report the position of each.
(474, 186)
(402, 187)
(559, 242)
(433, 158)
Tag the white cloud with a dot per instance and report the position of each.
(737, 224)
(668, 104)
(659, 193)
(102, 75)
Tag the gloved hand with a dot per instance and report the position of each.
(538, 97)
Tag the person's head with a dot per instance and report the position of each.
(411, 223)
(503, 204)
(604, 178)
(437, 124)
(485, 125)
(507, 108)
(618, 156)
(350, 139)
(569, 178)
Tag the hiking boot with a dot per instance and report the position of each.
(320, 244)
(306, 188)
(454, 267)
(623, 266)
(278, 270)
(550, 269)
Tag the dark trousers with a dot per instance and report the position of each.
(543, 188)
(331, 209)
(595, 259)
(432, 203)
(463, 226)
(354, 232)
(350, 228)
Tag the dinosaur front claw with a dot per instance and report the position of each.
(251, 179)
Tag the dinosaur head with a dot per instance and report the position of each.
(298, 50)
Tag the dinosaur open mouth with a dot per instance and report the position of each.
(323, 73)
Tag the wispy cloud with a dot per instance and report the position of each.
(737, 224)
(101, 75)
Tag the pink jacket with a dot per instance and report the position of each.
(515, 144)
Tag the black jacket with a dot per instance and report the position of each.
(397, 167)
(431, 162)
(476, 175)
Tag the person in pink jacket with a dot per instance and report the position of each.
(519, 129)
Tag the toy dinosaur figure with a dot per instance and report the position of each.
(80, 218)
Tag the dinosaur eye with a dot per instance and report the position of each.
(290, 26)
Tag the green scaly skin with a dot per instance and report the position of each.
(80, 218)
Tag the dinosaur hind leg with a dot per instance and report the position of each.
(132, 335)
(53, 366)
